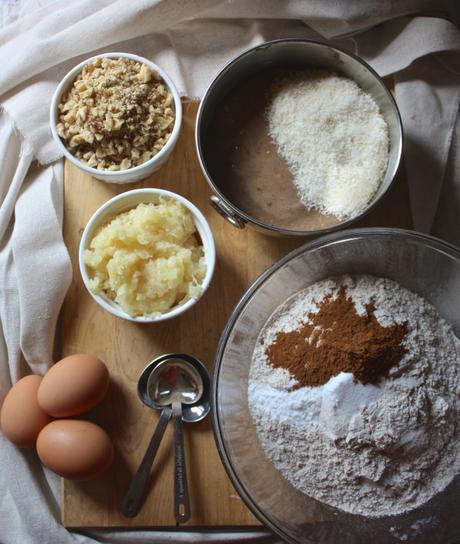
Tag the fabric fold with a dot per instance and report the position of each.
(417, 43)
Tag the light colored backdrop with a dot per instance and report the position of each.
(416, 42)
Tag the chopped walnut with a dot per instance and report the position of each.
(117, 114)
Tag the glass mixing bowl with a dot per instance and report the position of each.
(420, 263)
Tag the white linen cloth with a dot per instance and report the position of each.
(417, 42)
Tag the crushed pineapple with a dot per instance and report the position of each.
(148, 259)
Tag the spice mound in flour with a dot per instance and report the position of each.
(337, 339)
(374, 450)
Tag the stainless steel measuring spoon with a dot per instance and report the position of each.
(176, 382)
(193, 411)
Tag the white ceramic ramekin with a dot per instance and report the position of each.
(127, 201)
(131, 174)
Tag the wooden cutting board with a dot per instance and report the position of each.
(127, 348)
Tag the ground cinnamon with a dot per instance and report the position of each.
(337, 339)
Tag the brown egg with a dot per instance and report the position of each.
(21, 417)
(75, 449)
(73, 385)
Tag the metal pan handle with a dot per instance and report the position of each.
(226, 212)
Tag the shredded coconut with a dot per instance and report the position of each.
(333, 138)
(370, 450)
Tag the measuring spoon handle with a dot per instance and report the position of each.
(181, 499)
(132, 501)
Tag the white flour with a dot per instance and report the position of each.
(370, 450)
(333, 138)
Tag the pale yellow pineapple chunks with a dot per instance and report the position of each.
(148, 259)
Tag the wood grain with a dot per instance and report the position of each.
(127, 348)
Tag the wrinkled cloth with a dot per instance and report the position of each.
(418, 43)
